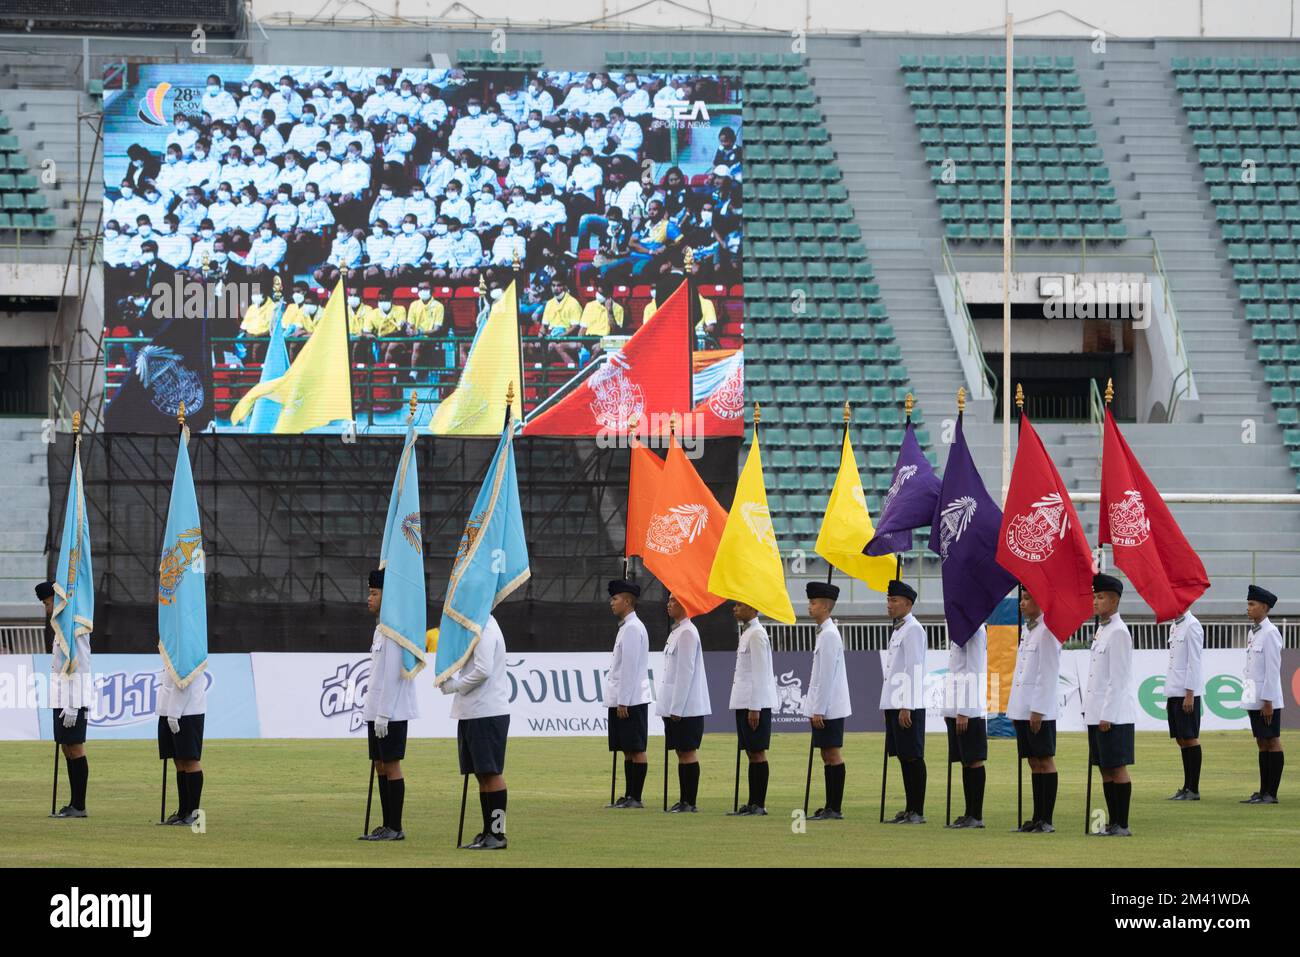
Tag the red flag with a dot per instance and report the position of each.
(644, 476)
(685, 527)
(723, 412)
(1041, 541)
(1148, 545)
(645, 381)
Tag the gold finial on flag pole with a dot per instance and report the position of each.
(688, 260)
(514, 260)
(961, 400)
(482, 285)
(672, 422)
(847, 413)
(180, 414)
(343, 273)
(277, 287)
(1110, 390)
(908, 404)
(1020, 397)
(414, 401)
(76, 423)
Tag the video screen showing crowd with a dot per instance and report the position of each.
(428, 192)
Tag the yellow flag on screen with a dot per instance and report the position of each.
(478, 406)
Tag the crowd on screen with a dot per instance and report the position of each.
(424, 181)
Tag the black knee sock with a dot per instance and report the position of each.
(965, 788)
(485, 808)
(1036, 782)
(758, 783)
(637, 780)
(919, 776)
(182, 793)
(1264, 775)
(688, 781)
(974, 791)
(1123, 794)
(78, 772)
(627, 777)
(396, 794)
(909, 784)
(497, 813)
(1108, 789)
(1192, 768)
(383, 798)
(194, 786)
(1049, 784)
(834, 774)
(1276, 760)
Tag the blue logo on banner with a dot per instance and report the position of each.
(344, 692)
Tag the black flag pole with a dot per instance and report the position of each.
(1020, 761)
(54, 795)
(947, 807)
(370, 794)
(464, 796)
(898, 576)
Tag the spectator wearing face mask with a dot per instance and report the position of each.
(117, 247)
(602, 97)
(204, 246)
(141, 167)
(466, 253)
(269, 136)
(376, 249)
(314, 215)
(377, 105)
(553, 172)
(650, 246)
(511, 103)
(171, 178)
(387, 206)
(548, 212)
(625, 135)
(233, 169)
(675, 193)
(192, 212)
(533, 137)
(405, 261)
(469, 133)
(256, 324)
(537, 98)
(561, 317)
(352, 186)
(249, 214)
(173, 245)
(424, 209)
(475, 173)
(433, 108)
(263, 173)
(125, 208)
(143, 234)
(508, 245)
(266, 254)
(704, 237)
(287, 102)
(183, 135)
(440, 172)
(424, 320)
(580, 188)
(520, 172)
(498, 136)
(634, 100)
(152, 277)
(384, 318)
(202, 170)
(597, 134)
(602, 316)
(340, 103)
(570, 141)
(577, 99)
(222, 211)
(439, 249)
(454, 204)
(345, 251)
(400, 141)
(357, 133)
(217, 101)
(488, 213)
(252, 104)
(307, 133)
(292, 176)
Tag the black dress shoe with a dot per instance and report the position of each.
(1186, 795)
(898, 818)
(959, 822)
(826, 814)
(1028, 827)
(629, 803)
(1177, 795)
(913, 818)
(745, 810)
(367, 837)
(69, 811)
(756, 811)
(1263, 799)
(1042, 827)
(966, 822)
(1116, 830)
(682, 808)
(619, 802)
(1253, 799)
(488, 842)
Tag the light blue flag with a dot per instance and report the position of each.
(402, 616)
(74, 583)
(267, 411)
(182, 593)
(491, 561)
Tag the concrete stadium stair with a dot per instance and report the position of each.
(24, 490)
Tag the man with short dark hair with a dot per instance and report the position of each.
(68, 697)
(1109, 708)
(753, 696)
(1262, 694)
(1033, 708)
(901, 701)
(827, 701)
(1184, 685)
(627, 695)
(684, 702)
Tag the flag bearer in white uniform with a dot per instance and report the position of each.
(1184, 685)
(683, 703)
(965, 701)
(827, 701)
(902, 702)
(1033, 709)
(70, 696)
(390, 705)
(753, 696)
(482, 710)
(627, 691)
(1109, 707)
(180, 737)
(1262, 695)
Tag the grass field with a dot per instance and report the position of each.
(302, 803)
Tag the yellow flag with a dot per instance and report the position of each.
(846, 528)
(747, 567)
(478, 406)
(317, 388)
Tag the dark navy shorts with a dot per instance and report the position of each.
(969, 747)
(685, 734)
(754, 739)
(392, 746)
(1040, 745)
(630, 733)
(481, 744)
(1110, 749)
(1266, 729)
(1181, 724)
(73, 735)
(905, 742)
(830, 735)
(186, 744)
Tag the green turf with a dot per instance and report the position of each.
(302, 803)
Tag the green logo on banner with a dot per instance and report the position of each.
(1222, 697)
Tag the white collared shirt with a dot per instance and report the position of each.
(1038, 671)
(1186, 642)
(628, 681)
(174, 702)
(965, 685)
(481, 687)
(1263, 675)
(388, 694)
(685, 688)
(753, 684)
(1110, 695)
(828, 687)
(904, 667)
(77, 689)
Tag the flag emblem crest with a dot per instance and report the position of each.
(680, 525)
(1129, 524)
(904, 473)
(618, 399)
(1032, 536)
(411, 531)
(472, 528)
(759, 522)
(728, 401)
(955, 517)
(168, 380)
(174, 563)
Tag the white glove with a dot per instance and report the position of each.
(448, 686)
(174, 724)
(69, 716)
(381, 727)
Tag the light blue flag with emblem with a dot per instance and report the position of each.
(491, 561)
(402, 614)
(182, 592)
(266, 411)
(74, 583)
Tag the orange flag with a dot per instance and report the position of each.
(683, 533)
(643, 480)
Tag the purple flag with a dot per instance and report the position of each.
(964, 534)
(910, 502)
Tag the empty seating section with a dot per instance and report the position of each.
(23, 205)
(1061, 187)
(1244, 113)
